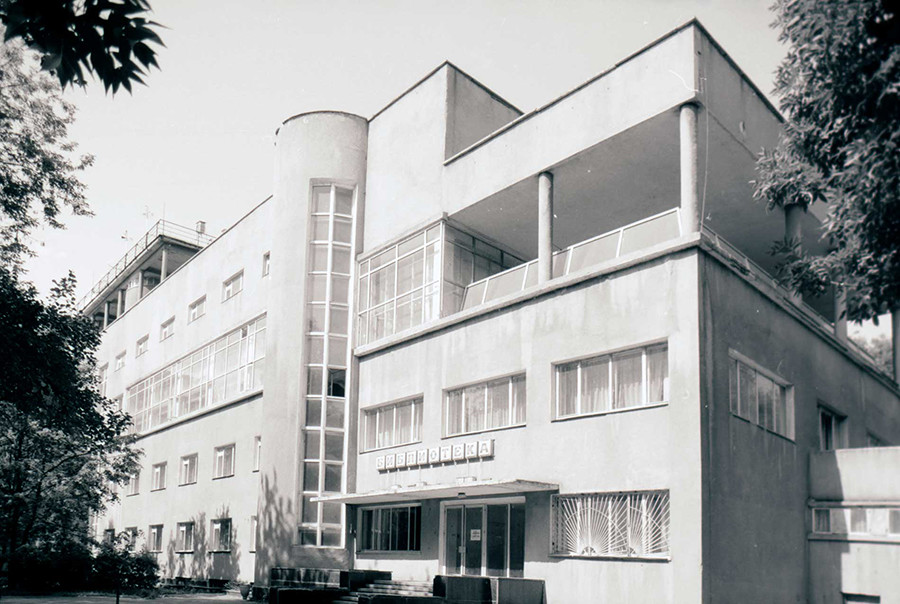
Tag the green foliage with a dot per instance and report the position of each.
(107, 38)
(37, 168)
(63, 446)
(839, 87)
(880, 348)
(42, 570)
(116, 568)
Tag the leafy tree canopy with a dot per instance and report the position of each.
(38, 166)
(63, 446)
(839, 87)
(108, 38)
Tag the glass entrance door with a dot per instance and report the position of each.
(484, 539)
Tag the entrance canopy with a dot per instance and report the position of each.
(464, 490)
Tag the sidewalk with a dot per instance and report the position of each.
(226, 598)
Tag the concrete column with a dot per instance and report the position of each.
(545, 227)
(793, 234)
(690, 196)
(840, 322)
(105, 313)
(895, 332)
(164, 265)
(121, 300)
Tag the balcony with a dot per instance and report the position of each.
(159, 252)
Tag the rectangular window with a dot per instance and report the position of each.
(232, 286)
(104, 376)
(632, 378)
(141, 346)
(220, 535)
(760, 396)
(253, 529)
(109, 536)
(257, 451)
(132, 487)
(822, 520)
(197, 309)
(485, 406)
(120, 360)
(857, 520)
(131, 534)
(832, 430)
(224, 461)
(167, 329)
(619, 525)
(894, 522)
(185, 541)
(187, 473)
(391, 425)
(265, 264)
(219, 372)
(394, 529)
(159, 477)
(155, 541)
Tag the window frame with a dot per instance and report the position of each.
(266, 264)
(133, 486)
(185, 533)
(216, 469)
(609, 358)
(257, 452)
(167, 329)
(254, 527)
(374, 411)
(216, 530)
(839, 430)
(380, 510)
(120, 360)
(132, 536)
(736, 359)
(183, 474)
(142, 345)
(193, 306)
(228, 291)
(155, 538)
(159, 475)
(510, 379)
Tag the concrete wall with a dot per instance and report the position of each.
(241, 247)
(652, 448)
(473, 112)
(322, 147)
(853, 567)
(871, 474)
(757, 517)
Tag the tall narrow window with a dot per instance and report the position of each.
(155, 538)
(159, 477)
(395, 528)
(330, 250)
(141, 346)
(220, 535)
(253, 528)
(133, 486)
(197, 309)
(188, 471)
(632, 378)
(104, 376)
(257, 452)
(167, 329)
(265, 264)
(120, 360)
(832, 431)
(185, 540)
(224, 461)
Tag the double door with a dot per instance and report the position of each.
(484, 539)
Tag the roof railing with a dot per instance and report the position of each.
(162, 228)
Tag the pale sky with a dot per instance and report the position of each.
(197, 143)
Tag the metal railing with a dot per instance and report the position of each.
(160, 229)
(590, 252)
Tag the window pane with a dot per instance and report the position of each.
(381, 285)
(518, 405)
(409, 272)
(337, 351)
(333, 478)
(321, 199)
(343, 201)
(314, 380)
(320, 228)
(334, 414)
(341, 260)
(657, 374)
(316, 353)
(498, 404)
(334, 446)
(474, 408)
(595, 385)
(338, 320)
(627, 375)
(318, 257)
(404, 423)
(385, 427)
(310, 509)
(733, 398)
(331, 512)
(313, 439)
(343, 230)
(858, 520)
(747, 391)
(311, 476)
(313, 412)
(454, 412)
(764, 389)
(316, 291)
(567, 389)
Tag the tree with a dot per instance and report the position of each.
(881, 349)
(117, 567)
(839, 87)
(107, 38)
(63, 446)
(38, 173)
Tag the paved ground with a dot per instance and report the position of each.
(227, 598)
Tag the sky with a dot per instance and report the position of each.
(197, 143)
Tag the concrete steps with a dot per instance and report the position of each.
(416, 589)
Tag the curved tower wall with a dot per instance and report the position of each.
(320, 170)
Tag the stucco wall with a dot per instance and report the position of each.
(652, 448)
(472, 112)
(757, 515)
(853, 567)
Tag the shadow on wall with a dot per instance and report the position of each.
(203, 562)
(275, 533)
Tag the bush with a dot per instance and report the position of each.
(42, 570)
(129, 571)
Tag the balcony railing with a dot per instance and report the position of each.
(160, 229)
(602, 248)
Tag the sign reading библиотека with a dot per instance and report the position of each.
(476, 449)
